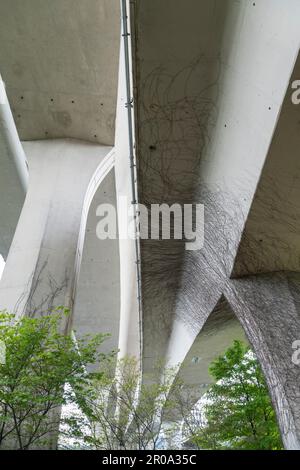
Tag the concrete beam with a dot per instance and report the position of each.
(207, 108)
(13, 174)
(209, 96)
(218, 333)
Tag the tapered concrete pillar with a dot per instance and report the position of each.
(13, 174)
(268, 307)
(44, 258)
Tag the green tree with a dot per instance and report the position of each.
(121, 411)
(40, 360)
(238, 413)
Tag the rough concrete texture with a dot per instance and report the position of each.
(268, 307)
(214, 125)
(211, 78)
(41, 266)
(60, 62)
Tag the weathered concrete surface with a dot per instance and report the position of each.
(271, 239)
(211, 78)
(210, 81)
(207, 108)
(41, 266)
(268, 307)
(61, 67)
(60, 62)
(217, 335)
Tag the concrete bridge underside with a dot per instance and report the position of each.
(214, 124)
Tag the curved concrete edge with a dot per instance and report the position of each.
(100, 173)
(219, 331)
(97, 301)
(9, 132)
(62, 182)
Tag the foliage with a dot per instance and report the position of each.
(238, 412)
(40, 360)
(117, 410)
(123, 413)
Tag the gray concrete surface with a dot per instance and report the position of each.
(97, 298)
(59, 60)
(211, 78)
(13, 174)
(40, 270)
(214, 125)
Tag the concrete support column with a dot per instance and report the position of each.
(42, 264)
(268, 307)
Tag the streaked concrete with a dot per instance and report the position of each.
(41, 266)
(211, 80)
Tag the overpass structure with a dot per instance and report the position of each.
(170, 102)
